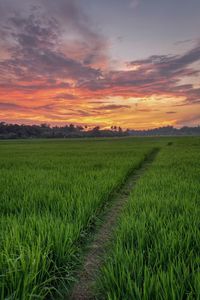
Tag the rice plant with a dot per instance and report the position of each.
(155, 253)
(51, 192)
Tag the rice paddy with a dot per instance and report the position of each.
(52, 193)
(155, 253)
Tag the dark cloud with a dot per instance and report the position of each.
(193, 95)
(156, 75)
(28, 88)
(171, 112)
(9, 106)
(145, 110)
(13, 107)
(111, 107)
(32, 59)
(184, 42)
(65, 96)
(189, 121)
(34, 45)
(170, 65)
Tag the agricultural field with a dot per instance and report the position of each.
(155, 253)
(52, 194)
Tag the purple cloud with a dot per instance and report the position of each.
(156, 75)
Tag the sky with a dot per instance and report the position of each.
(128, 63)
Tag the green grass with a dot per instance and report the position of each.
(51, 193)
(155, 253)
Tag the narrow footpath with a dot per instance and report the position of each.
(83, 288)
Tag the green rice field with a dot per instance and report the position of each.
(52, 193)
(155, 253)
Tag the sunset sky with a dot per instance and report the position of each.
(129, 63)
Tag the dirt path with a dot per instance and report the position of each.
(83, 288)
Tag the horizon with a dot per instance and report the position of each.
(132, 63)
(89, 128)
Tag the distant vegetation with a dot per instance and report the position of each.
(16, 131)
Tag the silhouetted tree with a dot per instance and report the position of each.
(14, 131)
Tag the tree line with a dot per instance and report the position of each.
(17, 131)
